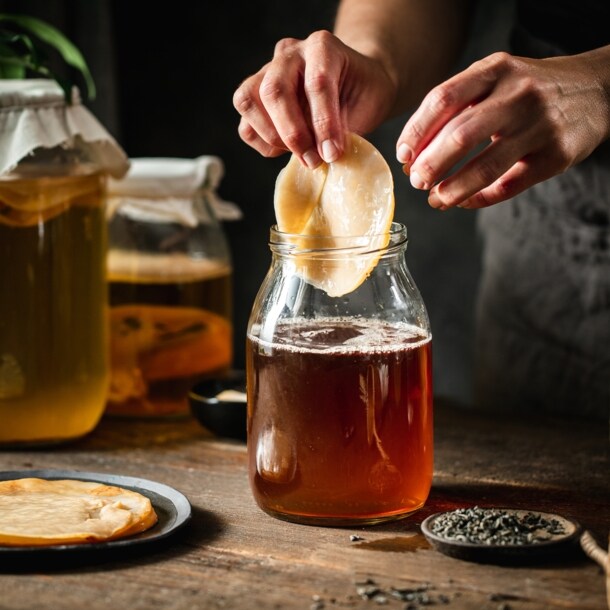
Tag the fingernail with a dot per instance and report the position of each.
(403, 154)
(312, 159)
(329, 151)
(435, 202)
(416, 181)
(406, 169)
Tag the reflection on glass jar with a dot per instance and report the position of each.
(339, 389)
(170, 290)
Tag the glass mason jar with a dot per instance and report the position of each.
(169, 270)
(339, 388)
(53, 323)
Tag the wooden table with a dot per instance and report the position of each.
(234, 556)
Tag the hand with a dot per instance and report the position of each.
(309, 95)
(537, 118)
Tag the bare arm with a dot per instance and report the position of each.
(534, 118)
(386, 55)
(417, 42)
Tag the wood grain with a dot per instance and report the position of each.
(233, 555)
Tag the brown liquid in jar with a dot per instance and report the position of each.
(340, 434)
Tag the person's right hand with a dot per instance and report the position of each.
(309, 95)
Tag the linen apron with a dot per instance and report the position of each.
(543, 309)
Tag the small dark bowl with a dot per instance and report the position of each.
(226, 418)
(557, 548)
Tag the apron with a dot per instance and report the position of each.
(543, 309)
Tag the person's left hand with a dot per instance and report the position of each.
(537, 117)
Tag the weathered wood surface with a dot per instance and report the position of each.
(234, 556)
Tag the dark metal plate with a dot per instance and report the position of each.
(172, 508)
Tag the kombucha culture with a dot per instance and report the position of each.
(170, 326)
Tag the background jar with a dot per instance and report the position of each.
(169, 269)
(54, 157)
(339, 388)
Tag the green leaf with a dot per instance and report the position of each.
(52, 36)
(12, 48)
(16, 66)
(10, 40)
(9, 70)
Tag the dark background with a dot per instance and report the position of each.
(166, 73)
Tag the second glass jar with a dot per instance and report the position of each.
(169, 272)
(339, 388)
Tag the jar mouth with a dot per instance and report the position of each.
(298, 244)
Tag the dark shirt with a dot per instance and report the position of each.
(574, 26)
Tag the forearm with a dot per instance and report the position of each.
(417, 41)
(598, 62)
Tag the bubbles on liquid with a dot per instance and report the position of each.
(309, 335)
(348, 432)
(342, 335)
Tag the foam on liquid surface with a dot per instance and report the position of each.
(341, 336)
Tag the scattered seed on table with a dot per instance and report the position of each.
(368, 591)
(415, 597)
(380, 599)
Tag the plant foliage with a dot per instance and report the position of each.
(24, 45)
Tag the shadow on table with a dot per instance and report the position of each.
(405, 534)
(202, 529)
(590, 512)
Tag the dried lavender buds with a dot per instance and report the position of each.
(491, 526)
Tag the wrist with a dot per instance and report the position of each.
(389, 70)
(597, 62)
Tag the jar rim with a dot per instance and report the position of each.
(284, 243)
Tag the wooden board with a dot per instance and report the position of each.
(233, 555)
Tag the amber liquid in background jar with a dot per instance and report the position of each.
(170, 326)
(53, 305)
(343, 433)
